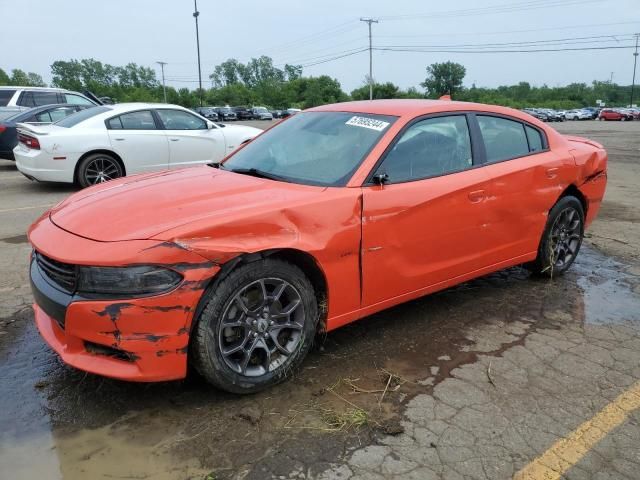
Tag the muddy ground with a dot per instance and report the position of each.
(470, 383)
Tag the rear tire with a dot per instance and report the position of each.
(98, 168)
(561, 239)
(257, 327)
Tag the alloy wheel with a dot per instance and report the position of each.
(261, 326)
(566, 235)
(102, 169)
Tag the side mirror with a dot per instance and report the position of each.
(211, 125)
(380, 178)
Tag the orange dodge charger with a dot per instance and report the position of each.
(335, 213)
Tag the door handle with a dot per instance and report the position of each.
(552, 172)
(119, 139)
(477, 196)
(174, 139)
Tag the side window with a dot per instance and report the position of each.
(503, 138)
(6, 96)
(142, 120)
(535, 139)
(76, 99)
(44, 98)
(43, 117)
(429, 148)
(26, 99)
(180, 120)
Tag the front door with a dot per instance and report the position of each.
(426, 224)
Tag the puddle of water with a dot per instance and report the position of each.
(26, 442)
(608, 292)
(183, 429)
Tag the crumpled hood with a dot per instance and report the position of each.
(144, 206)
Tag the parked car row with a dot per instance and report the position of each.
(587, 113)
(243, 113)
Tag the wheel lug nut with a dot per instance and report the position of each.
(271, 322)
(255, 334)
(255, 322)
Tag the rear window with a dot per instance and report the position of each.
(503, 139)
(81, 116)
(5, 96)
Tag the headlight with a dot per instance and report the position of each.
(138, 280)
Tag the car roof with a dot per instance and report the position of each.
(126, 107)
(46, 89)
(411, 107)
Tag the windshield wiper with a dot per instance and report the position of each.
(254, 172)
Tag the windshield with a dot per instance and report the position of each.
(75, 118)
(314, 148)
(260, 109)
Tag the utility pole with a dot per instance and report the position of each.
(196, 14)
(635, 62)
(164, 87)
(611, 79)
(370, 21)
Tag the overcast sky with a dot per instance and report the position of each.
(35, 33)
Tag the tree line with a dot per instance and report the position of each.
(260, 82)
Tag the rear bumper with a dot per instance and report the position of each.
(40, 165)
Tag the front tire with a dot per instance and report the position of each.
(561, 239)
(257, 327)
(98, 168)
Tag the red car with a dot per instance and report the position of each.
(612, 114)
(334, 214)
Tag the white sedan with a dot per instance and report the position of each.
(110, 141)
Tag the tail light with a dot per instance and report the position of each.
(29, 141)
(2, 128)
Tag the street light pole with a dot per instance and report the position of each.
(370, 21)
(635, 62)
(196, 14)
(164, 87)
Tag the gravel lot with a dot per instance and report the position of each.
(472, 383)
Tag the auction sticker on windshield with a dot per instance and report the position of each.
(366, 122)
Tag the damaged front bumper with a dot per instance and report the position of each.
(137, 339)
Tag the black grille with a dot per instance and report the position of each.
(62, 274)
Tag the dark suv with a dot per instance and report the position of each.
(225, 113)
(207, 112)
(243, 113)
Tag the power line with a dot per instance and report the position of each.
(490, 9)
(503, 51)
(506, 32)
(567, 40)
(335, 58)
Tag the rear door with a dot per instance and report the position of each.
(135, 136)
(426, 224)
(526, 180)
(191, 141)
